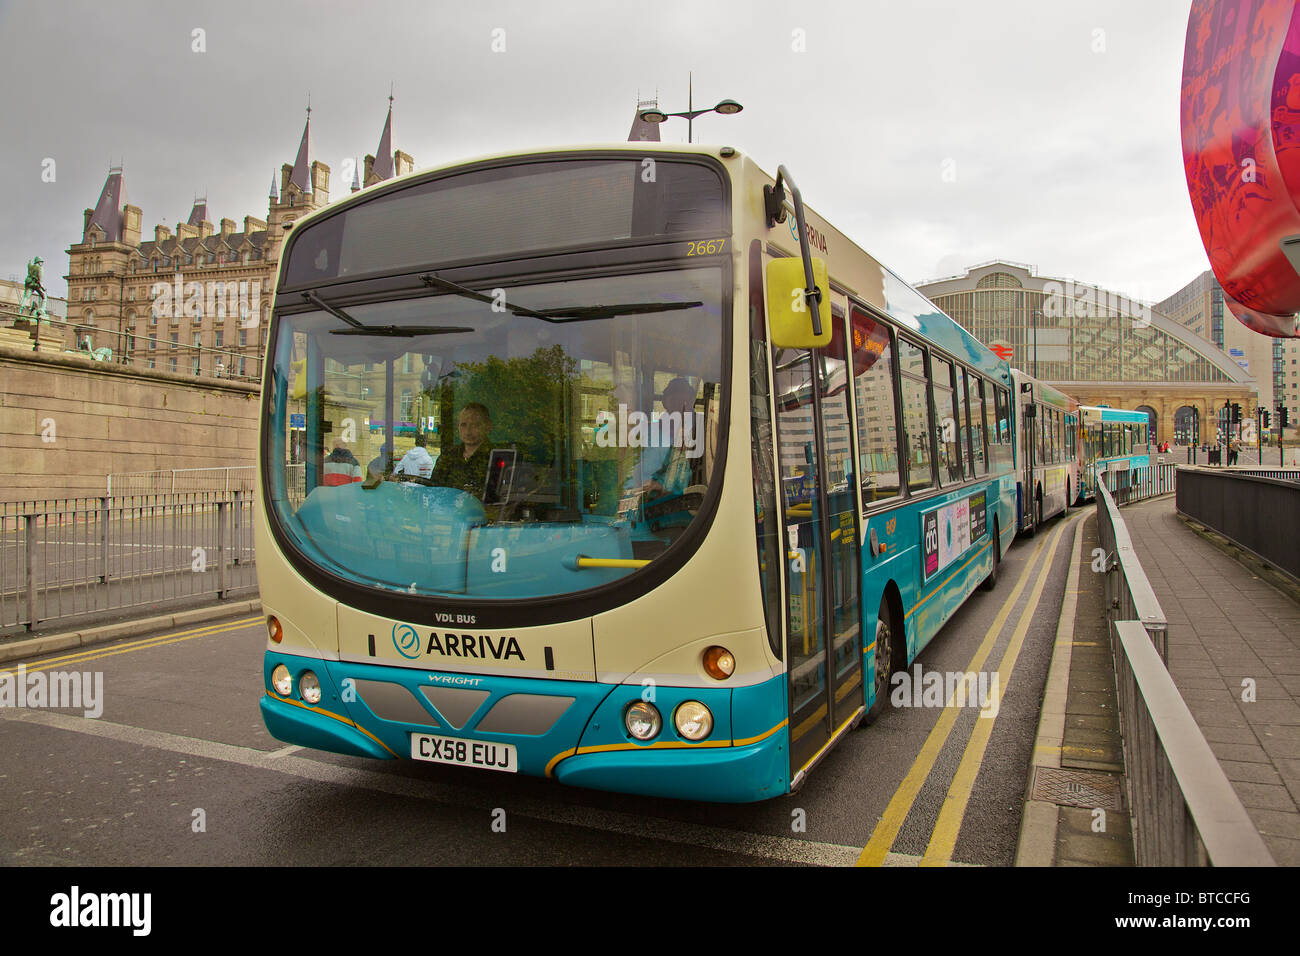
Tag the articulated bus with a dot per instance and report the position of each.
(1115, 442)
(1047, 459)
(691, 475)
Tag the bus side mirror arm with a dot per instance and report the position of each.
(775, 206)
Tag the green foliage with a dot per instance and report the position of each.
(525, 396)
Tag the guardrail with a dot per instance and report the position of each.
(1185, 812)
(75, 557)
(172, 480)
(1260, 514)
(1128, 486)
(1129, 595)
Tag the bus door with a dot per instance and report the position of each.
(1029, 458)
(823, 623)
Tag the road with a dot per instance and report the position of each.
(179, 770)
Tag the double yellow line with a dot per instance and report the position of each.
(953, 812)
(80, 657)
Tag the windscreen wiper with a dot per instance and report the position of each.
(438, 282)
(578, 312)
(398, 331)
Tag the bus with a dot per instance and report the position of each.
(706, 474)
(1047, 458)
(1116, 444)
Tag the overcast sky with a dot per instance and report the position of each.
(935, 134)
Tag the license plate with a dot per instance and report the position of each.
(485, 754)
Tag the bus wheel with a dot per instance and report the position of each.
(1038, 510)
(990, 582)
(886, 630)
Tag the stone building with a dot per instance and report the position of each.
(1098, 346)
(195, 300)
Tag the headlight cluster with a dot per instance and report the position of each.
(693, 720)
(308, 684)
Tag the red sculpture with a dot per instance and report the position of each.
(1241, 152)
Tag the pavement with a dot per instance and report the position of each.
(1234, 655)
(88, 636)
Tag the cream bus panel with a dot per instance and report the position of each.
(306, 615)
(557, 651)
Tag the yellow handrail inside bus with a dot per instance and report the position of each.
(611, 563)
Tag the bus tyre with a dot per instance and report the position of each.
(990, 582)
(1038, 510)
(886, 634)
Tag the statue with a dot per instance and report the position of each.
(34, 291)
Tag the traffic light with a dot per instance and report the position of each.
(1236, 413)
(1264, 412)
(1284, 418)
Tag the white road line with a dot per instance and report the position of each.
(783, 849)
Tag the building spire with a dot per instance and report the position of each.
(301, 175)
(383, 168)
(643, 132)
(275, 193)
(108, 210)
(356, 179)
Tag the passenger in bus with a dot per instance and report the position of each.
(465, 465)
(341, 467)
(416, 463)
(380, 467)
(678, 471)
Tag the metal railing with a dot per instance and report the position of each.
(1128, 486)
(1185, 812)
(1129, 596)
(1257, 511)
(75, 557)
(228, 480)
(123, 346)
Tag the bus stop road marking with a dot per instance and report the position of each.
(892, 820)
(779, 848)
(944, 838)
(82, 656)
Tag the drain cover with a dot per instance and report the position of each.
(1077, 788)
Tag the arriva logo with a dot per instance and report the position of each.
(406, 641)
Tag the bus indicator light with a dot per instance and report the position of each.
(719, 663)
(274, 630)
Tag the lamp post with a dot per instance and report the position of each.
(726, 108)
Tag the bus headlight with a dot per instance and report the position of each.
(309, 687)
(643, 721)
(281, 680)
(694, 721)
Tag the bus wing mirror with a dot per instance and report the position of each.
(789, 307)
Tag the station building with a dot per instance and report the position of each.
(137, 294)
(1099, 346)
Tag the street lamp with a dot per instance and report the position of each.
(726, 108)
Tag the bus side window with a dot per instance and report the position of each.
(916, 416)
(947, 415)
(873, 370)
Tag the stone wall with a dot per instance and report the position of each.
(67, 422)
